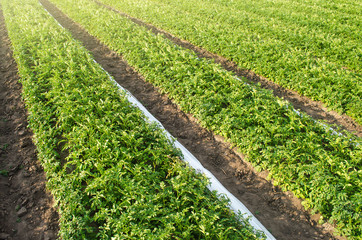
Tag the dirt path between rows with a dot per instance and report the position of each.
(315, 109)
(279, 212)
(26, 210)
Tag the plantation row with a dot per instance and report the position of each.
(301, 156)
(112, 174)
(313, 47)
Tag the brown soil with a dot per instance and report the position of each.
(26, 210)
(279, 212)
(315, 109)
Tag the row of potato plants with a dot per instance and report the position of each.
(112, 174)
(315, 22)
(305, 47)
(300, 155)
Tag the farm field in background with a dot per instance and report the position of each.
(121, 177)
(312, 47)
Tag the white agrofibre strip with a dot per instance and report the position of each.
(235, 204)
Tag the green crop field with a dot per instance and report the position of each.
(313, 47)
(122, 178)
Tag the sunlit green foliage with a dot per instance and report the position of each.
(112, 174)
(313, 46)
(301, 155)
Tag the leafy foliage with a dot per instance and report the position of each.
(313, 47)
(113, 175)
(301, 156)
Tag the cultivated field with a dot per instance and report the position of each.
(112, 174)
(313, 47)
